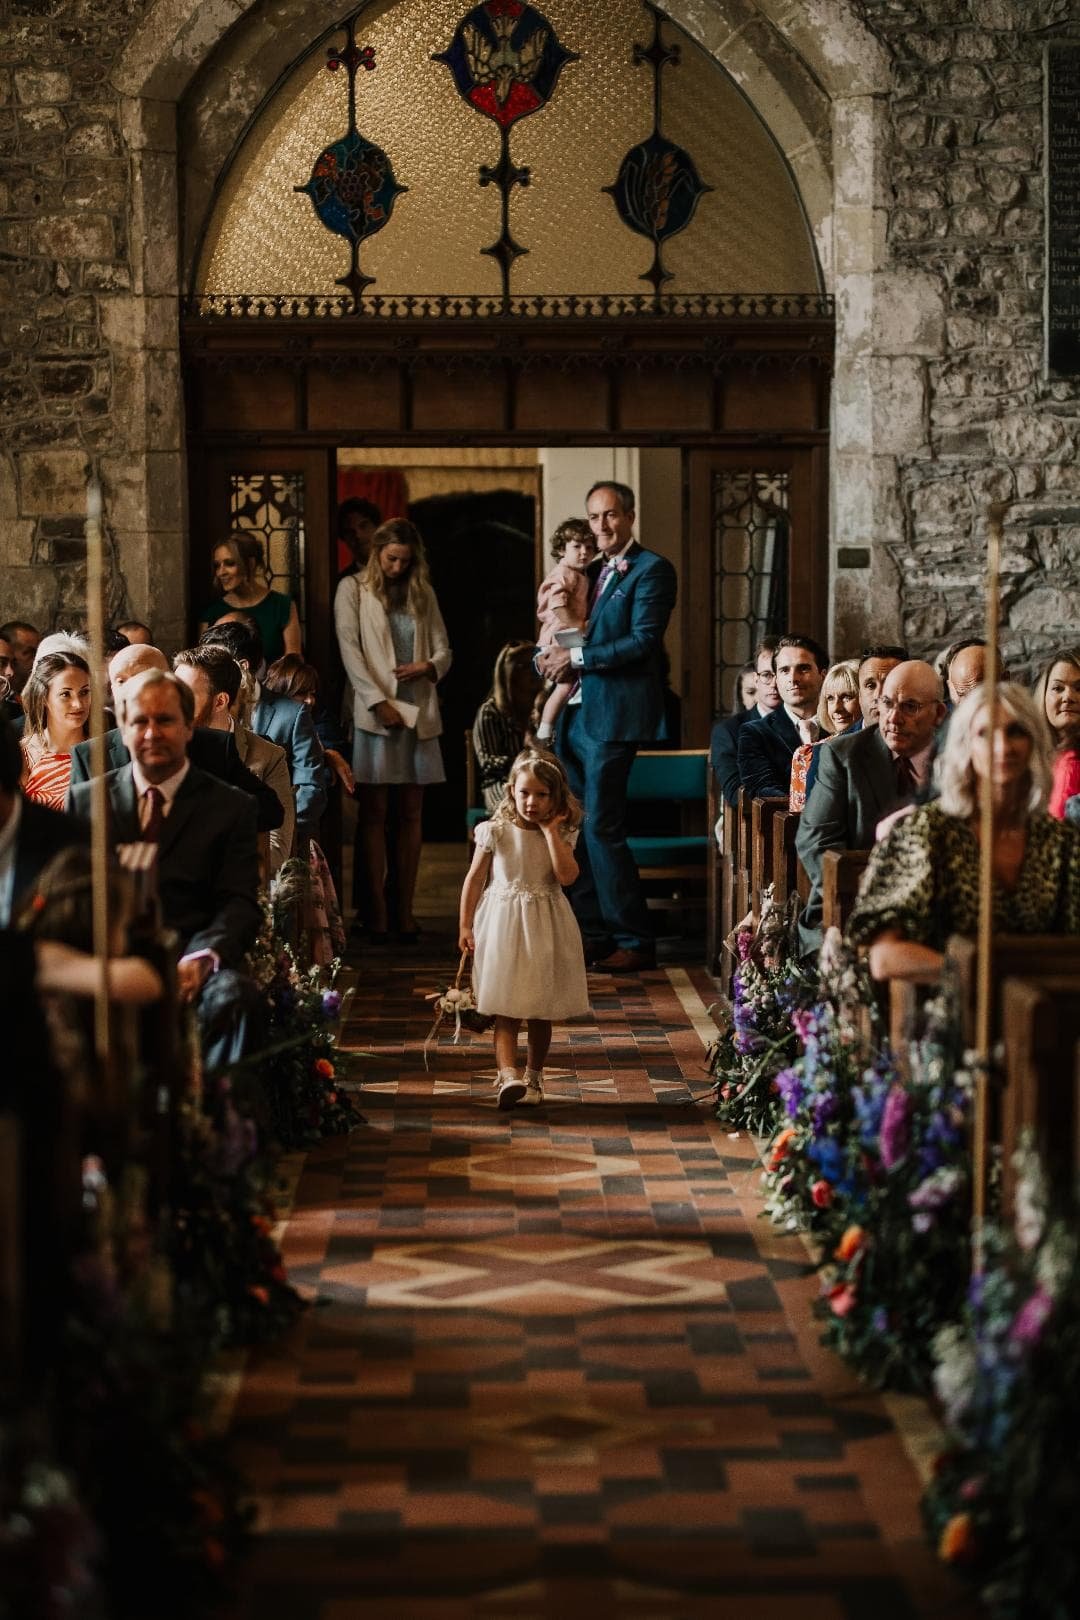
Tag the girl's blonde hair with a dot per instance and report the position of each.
(1064, 655)
(842, 677)
(418, 592)
(546, 768)
(959, 784)
(247, 550)
(35, 694)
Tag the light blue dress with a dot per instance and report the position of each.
(400, 756)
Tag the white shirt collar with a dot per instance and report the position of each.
(168, 789)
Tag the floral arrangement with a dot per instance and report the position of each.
(1004, 1504)
(295, 1086)
(900, 1265)
(48, 1542)
(758, 1037)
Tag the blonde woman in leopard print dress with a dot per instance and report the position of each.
(922, 883)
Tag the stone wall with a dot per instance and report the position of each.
(977, 421)
(65, 252)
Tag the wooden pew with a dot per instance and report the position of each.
(1015, 956)
(841, 874)
(743, 855)
(761, 848)
(789, 875)
(721, 887)
(1040, 1025)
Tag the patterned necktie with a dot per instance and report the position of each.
(601, 580)
(155, 815)
(905, 778)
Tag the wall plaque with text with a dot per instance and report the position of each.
(1062, 304)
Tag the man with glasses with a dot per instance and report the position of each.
(724, 744)
(866, 777)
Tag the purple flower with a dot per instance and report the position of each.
(895, 1135)
(331, 1003)
(880, 1319)
(789, 1084)
(822, 1110)
(805, 1025)
(744, 942)
(1030, 1319)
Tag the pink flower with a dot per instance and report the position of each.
(620, 565)
(1031, 1318)
(841, 1299)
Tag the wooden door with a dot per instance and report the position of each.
(755, 563)
(285, 496)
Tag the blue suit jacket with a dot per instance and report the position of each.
(724, 750)
(765, 750)
(289, 724)
(622, 687)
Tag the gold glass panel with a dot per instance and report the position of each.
(748, 234)
(271, 506)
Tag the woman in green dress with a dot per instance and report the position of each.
(922, 883)
(242, 581)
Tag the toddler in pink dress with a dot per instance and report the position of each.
(562, 603)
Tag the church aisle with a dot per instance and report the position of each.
(558, 1365)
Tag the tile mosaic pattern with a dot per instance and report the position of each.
(557, 1365)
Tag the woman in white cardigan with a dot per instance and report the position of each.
(394, 648)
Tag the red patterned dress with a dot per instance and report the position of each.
(46, 777)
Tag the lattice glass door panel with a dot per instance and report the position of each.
(271, 505)
(751, 511)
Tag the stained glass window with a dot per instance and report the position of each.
(747, 233)
(271, 505)
(750, 570)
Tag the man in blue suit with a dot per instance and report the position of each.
(766, 746)
(724, 743)
(618, 706)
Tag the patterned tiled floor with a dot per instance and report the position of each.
(558, 1365)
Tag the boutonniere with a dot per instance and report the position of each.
(620, 565)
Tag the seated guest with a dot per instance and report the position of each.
(23, 640)
(745, 688)
(1057, 696)
(505, 718)
(876, 664)
(214, 677)
(838, 712)
(291, 677)
(207, 859)
(59, 916)
(56, 703)
(9, 702)
(724, 743)
(212, 751)
(865, 777)
(766, 746)
(922, 883)
(30, 834)
(135, 633)
(963, 667)
(286, 723)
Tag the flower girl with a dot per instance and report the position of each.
(528, 960)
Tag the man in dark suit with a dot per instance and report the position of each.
(285, 722)
(30, 835)
(619, 705)
(724, 743)
(212, 751)
(207, 861)
(866, 777)
(766, 746)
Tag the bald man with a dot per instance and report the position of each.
(966, 669)
(866, 777)
(212, 751)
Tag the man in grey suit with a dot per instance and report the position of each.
(285, 722)
(866, 777)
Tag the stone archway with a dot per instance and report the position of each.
(195, 71)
